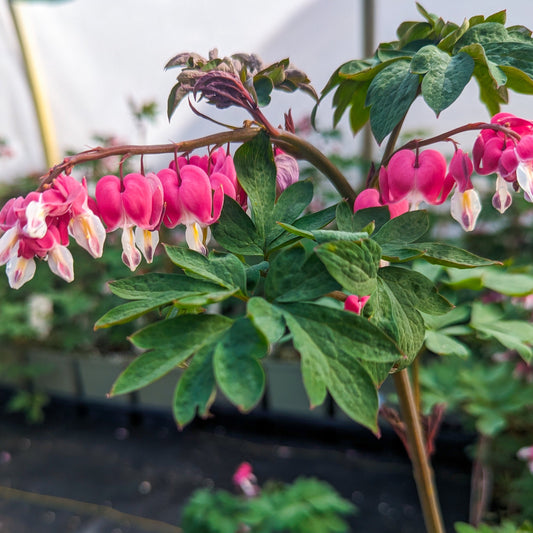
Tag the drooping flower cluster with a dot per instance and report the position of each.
(510, 156)
(413, 177)
(190, 192)
(39, 225)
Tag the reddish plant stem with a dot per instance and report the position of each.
(411, 145)
(422, 471)
(288, 141)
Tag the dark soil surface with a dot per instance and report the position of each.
(142, 465)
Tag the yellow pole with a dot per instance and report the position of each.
(42, 109)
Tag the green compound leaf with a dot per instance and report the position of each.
(445, 77)
(235, 231)
(390, 95)
(294, 276)
(224, 270)
(196, 388)
(254, 163)
(335, 346)
(353, 264)
(171, 342)
(238, 372)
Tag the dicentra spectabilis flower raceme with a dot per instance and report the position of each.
(415, 177)
(136, 201)
(465, 203)
(510, 157)
(194, 193)
(371, 198)
(39, 224)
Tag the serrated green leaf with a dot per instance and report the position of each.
(157, 285)
(192, 330)
(224, 270)
(292, 201)
(399, 254)
(235, 231)
(413, 288)
(445, 77)
(484, 33)
(238, 372)
(450, 256)
(403, 229)
(388, 309)
(132, 310)
(518, 55)
(195, 391)
(254, 163)
(266, 318)
(353, 264)
(294, 277)
(389, 96)
(491, 79)
(170, 342)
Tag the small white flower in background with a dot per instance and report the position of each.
(526, 454)
(41, 310)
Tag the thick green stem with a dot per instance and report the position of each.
(422, 471)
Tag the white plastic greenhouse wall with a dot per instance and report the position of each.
(93, 56)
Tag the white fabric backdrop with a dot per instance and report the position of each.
(93, 55)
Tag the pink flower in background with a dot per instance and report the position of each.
(416, 178)
(355, 303)
(526, 454)
(371, 198)
(133, 202)
(244, 478)
(465, 203)
(287, 171)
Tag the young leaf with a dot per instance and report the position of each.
(347, 220)
(196, 388)
(254, 163)
(390, 95)
(235, 231)
(238, 372)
